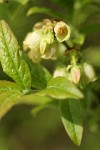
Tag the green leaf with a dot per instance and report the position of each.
(6, 86)
(43, 10)
(40, 75)
(61, 88)
(11, 59)
(34, 99)
(71, 115)
(9, 94)
(23, 2)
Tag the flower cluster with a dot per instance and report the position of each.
(43, 41)
(76, 72)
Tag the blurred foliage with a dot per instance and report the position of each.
(19, 130)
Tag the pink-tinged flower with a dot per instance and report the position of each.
(75, 74)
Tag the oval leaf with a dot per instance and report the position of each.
(61, 88)
(43, 10)
(71, 116)
(11, 60)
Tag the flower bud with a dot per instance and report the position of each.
(75, 74)
(62, 31)
(38, 26)
(47, 21)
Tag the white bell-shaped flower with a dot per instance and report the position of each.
(62, 31)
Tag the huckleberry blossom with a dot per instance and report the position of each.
(46, 40)
(34, 55)
(43, 41)
(62, 31)
(50, 52)
(50, 37)
(43, 45)
(32, 43)
(89, 72)
(32, 40)
(75, 74)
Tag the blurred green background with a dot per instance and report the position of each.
(20, 129)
